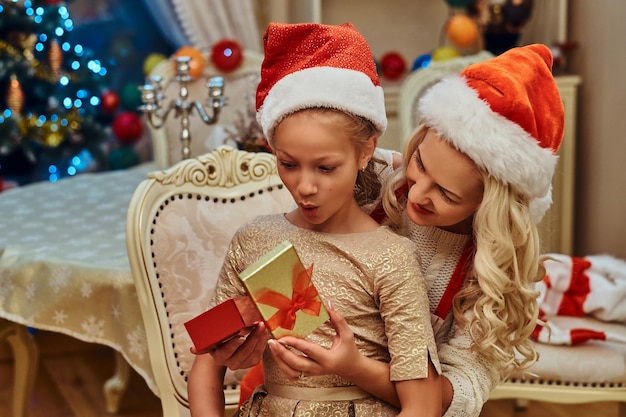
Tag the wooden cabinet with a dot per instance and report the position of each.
(557, 228)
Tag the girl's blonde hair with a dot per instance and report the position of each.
(499, 287)
(368, 186)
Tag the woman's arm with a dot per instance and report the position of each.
(470, 376)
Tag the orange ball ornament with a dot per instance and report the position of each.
(196, 64)
(461, 30)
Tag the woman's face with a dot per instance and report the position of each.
(445, 188)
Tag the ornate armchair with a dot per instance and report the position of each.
(180, 222)
(417, 82)
(594, 371)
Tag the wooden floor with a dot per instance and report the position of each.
(72, 374)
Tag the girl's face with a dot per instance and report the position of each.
(318, 163)
(445, 188)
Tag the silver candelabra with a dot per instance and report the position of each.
(152, 97)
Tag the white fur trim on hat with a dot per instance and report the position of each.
(539, 205)
(492, 141)
(338, 88)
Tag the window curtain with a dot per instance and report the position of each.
(548, 23)
(201, 23)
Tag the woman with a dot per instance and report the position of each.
(478, 172)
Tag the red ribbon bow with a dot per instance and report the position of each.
(303, 297)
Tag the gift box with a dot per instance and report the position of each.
(234, 317)
(283, 292)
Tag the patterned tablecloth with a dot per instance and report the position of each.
(64, 265)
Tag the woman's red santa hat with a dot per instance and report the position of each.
(313, 65)
(506, 114)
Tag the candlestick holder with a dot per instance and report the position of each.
(152, 97)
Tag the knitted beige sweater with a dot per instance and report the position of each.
(471, 375)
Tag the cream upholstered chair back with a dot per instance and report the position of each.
(416, 84)
(236, 119)
(180, 222)
(594, 371)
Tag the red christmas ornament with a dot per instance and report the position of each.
(226, 55)
(392, 65)
(127, 127)
(110, 102)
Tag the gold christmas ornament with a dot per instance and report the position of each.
(52, 134)
(41, 72)
(15, 96)
(52, 139)
(28, 45)
(24, 42)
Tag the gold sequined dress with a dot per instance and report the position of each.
(373, 279)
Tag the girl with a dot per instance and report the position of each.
(324, 142)
(475, 181)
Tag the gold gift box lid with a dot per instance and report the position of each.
(282, 289)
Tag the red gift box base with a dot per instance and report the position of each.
(222, 322)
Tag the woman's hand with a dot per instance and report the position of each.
(240, 352)
(315, 359)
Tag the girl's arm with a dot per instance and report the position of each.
(412, 393)
(345, 360)
(205, 387)
(239, 352)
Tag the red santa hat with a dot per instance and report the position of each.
(313, 65)
(506, 114)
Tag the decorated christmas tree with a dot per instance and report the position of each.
(51, 119)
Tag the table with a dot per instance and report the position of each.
(64, 268)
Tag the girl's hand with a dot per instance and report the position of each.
(315, 359)
(240, 352)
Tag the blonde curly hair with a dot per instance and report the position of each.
(499, 286)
